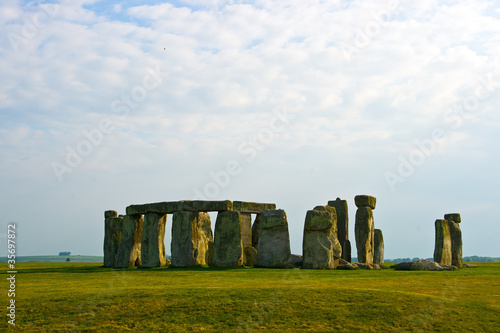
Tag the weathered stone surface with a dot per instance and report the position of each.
(255, 230)
(191, 239)
(165, 207)
(112, 237)
(129, 252)
(348, 266)
(364, 232)
(273, 248)
(456, 244)
(442, 245)
(365, 201)
(136, 209)
(342, 220)
(367, 266)
(469, 266)
(252, 207)
(250, 256)
(346, 251)
(296, 261)
(207, 206)
(343, 262)
(110, 213)
(455, 217)
(153, 240)
(320, 247)
(378, 243)
(419, 265)
(246, 232)
(228, 247)
(448, 267)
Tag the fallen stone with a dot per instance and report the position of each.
(342, 220)
(448, 267)
(207, 206)
(364, 234)
(191, 238)
(273, 249)
(365, 201)
(228, 248)
(112, 237)
(320, 247)
(250, 256)
(456, 244)
(168, 262)
(129, 252)
(442, 245)
(110, 213)
(367, 266)
(296, 261)
(419, 265)
(469, 266)
(343, 262)
(455, 217)
(378, 243)
(252, 207)
(348, 266)
(153, 240)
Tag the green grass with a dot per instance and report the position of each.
(77, 297)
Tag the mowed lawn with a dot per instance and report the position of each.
(81, 297)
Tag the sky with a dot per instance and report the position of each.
(105, 104)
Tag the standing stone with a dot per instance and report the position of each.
(255, 230)
(246, 232)
(112, 238)
(273, 248)
(456, 244)
(191, 239)
(342, 221)
(346, 251)
(320, 247)
(378, 251)
(364, 228)
(129, 253)
(442, 245)
(456, 238)
(228, 244)
(153, 240)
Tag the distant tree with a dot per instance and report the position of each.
(65, 253)
(68, 259)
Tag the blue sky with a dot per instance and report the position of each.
(106, 104)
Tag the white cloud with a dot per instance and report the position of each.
(231, 65)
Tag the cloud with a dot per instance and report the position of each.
(227, 68)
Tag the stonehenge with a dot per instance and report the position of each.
(448, 241)
(138, 237)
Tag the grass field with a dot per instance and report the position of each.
(78, 297)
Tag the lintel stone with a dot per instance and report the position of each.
(455, 217)
(110, 213)
(165, 207)
(207, 206)
(365, 201)
(136, 209)
(252, 207)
